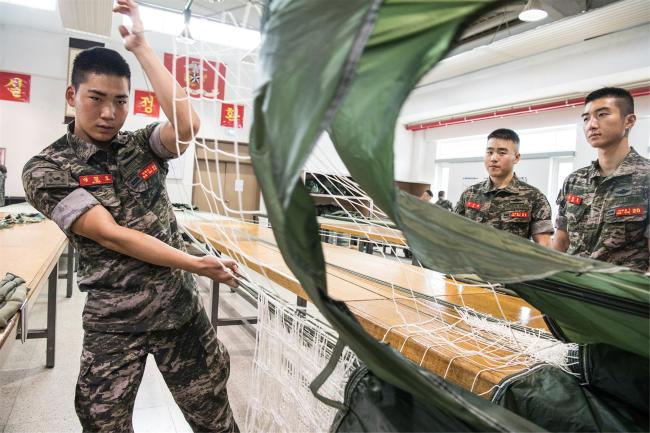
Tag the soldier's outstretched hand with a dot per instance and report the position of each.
(134, 38)
(219, 270)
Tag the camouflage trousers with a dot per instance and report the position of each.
(193, 362)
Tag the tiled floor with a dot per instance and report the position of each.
(37, 399)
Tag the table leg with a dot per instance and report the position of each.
(214, 316)
(51, 316)
(70, 266)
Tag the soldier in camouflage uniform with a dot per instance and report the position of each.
(503, 201)
(106, 190)
(442, 202)
(603, 208)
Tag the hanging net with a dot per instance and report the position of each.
(443, 308)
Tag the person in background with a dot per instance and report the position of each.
(426, 195)
(603, 207)
(443, 202)
(503, 201)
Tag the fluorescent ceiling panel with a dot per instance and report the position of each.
(201, 29)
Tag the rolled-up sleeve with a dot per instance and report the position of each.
(538, 227)
(55, 193)
(541, 218)
(72, 206)
(156, 144)
(560, 219)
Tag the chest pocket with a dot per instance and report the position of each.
(519, 215)
(146, 191)
(473, 210)
(514, 211)
(627, 217)
(144, 179)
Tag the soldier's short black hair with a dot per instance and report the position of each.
(99, 60)
(624, 99)
(505, 134)
(440, 194)
(428, 191)
(3, 169)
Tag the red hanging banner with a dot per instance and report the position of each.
(14, 87)
(190, 71)
(146, 104)
(229, 114)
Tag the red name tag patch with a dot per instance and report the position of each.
(95, 179)
(573, 199)
(628, 211)
(473, 205)
(519, 214)
(148, 171)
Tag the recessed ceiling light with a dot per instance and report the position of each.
(533, 11)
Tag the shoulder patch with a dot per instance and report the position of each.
(55, 178)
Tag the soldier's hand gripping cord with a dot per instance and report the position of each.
(220, 270)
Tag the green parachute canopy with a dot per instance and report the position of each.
(347, 66)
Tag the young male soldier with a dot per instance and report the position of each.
(106, 190)
(603, 208)
(503, 201)
(443, 202)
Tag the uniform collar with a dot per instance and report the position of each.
(626, 167)
(85, 150)
(512, 187)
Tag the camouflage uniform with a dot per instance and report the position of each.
(445, 203)
(133, 308)
(606, 217)
(519, 208)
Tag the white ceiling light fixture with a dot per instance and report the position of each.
(533, 11)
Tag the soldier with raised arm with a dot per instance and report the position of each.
(105, 189)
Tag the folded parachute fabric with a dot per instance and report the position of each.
(20, 218)
(12, 295)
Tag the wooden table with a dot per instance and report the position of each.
(32, 252)
(421, 297)
(368, 234)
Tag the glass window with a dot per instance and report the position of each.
(539, 140)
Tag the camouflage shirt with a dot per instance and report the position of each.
(128, 178)
(606, 217)
(519, 208)
(445, 203)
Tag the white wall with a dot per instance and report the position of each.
(26, 128)
(324, 158)
(424, 145)
(619, 58)
(534, 172)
